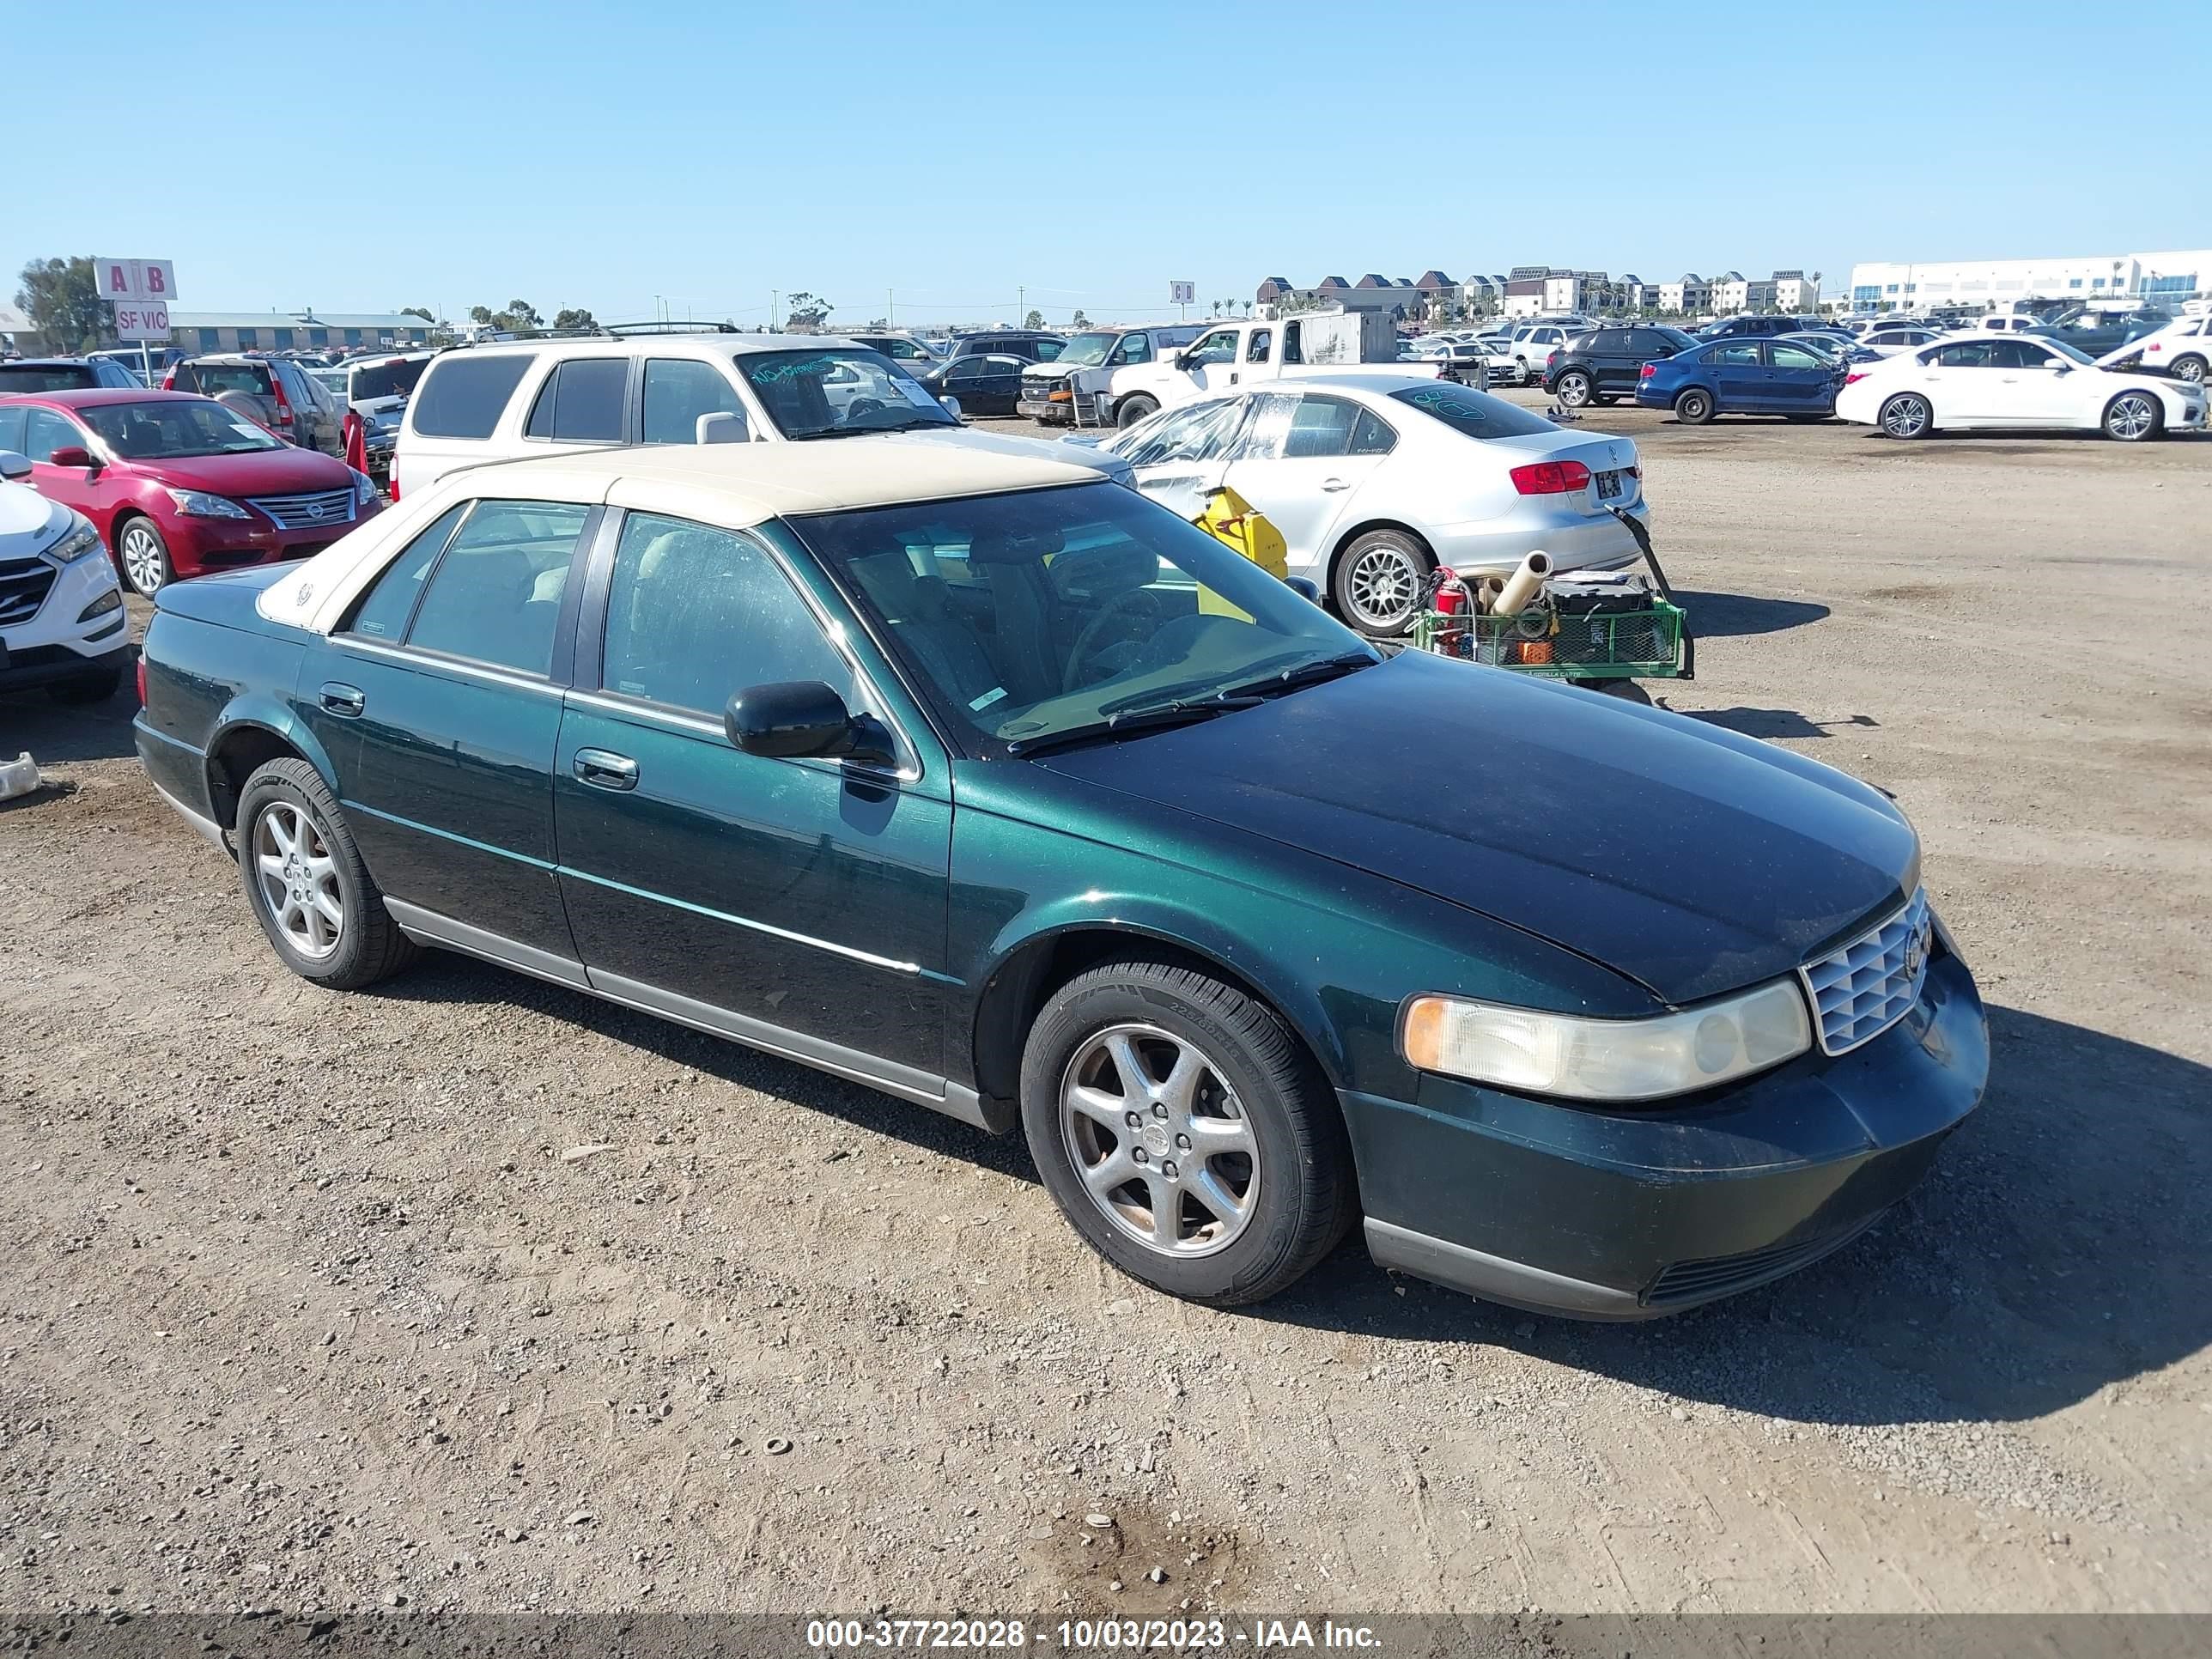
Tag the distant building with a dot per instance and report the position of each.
(2158, 278)
(1797, 292)
(304, 331)
(1689, 295)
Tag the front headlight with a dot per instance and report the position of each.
(198, 504)
(79, 541)
(1540, 1054)
(364, 492)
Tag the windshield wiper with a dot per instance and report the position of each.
(1132, 722)
(1305, 673)
(863, 431)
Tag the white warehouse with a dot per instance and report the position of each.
(2161, 278)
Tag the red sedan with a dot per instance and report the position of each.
(179, 485)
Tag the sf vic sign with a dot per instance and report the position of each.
(140, 291)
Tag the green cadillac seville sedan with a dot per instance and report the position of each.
(1004, 790)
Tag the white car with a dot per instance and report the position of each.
(1374, 479)
(1535, 343)
(2015, 381)
(2180, 349)
(1892, 338)
(62, 622)
(1501, 363)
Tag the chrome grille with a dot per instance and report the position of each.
(317, 512)
(23, 586)
(1864, 988)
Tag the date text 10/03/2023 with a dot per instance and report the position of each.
(1088, 1635)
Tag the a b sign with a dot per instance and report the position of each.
(129, 281)
(141, 322)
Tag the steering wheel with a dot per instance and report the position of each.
(1080, 657)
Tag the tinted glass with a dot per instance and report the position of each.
(387, 380)
(678, 392)
(463, 395)
(1968, 354)
(581, 402)
(695, 614)
(45, 432)
(383, 613)
(496, 594)
(1477, 414)
(251, 379)
(1372, 435)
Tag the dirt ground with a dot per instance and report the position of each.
(306, 1309)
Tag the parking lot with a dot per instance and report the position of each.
(473, 1291)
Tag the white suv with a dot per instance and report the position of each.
(61, 621)
(514, 399)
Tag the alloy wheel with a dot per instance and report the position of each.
(141, 558)
(1384, 583)
(1904, 417)
(1159, 1141)
(2132, 415)
(1574, 390)
(299, 879)
(2191, 369)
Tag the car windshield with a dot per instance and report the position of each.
(1086, 350)
(394, 378)
(175, 428)
(1477, 414)
(1057, 615)
(838, 390)
(2066, 349)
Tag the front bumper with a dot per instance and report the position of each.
(1631, 1215)
(57, 643)
(21, 669)
(199, 545)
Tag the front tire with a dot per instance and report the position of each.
(1695, 407)
(2133, 417)
(144, 556)
(1378, 582)
(1184, 1132)
(306, 884)
(1574, 390)
(1907, 416)
(1133, 408)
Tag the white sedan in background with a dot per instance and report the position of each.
(2181, 348)
(1373, 479)
(2015, 380)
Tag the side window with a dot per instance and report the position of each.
(495, 596)
(45, 432)
(695, 614)
(1320, 427)
(1734, 356)
(1372, 435)
(678, 392)
(1134, 349)
(1197, 433)
(2019, 353)
(1294, 343)
(462, 396)
(11, 429)
(383, 613)
(1968, 354)
(1256, 347)
(581, 402)
(1790, 356)
(1218, 347)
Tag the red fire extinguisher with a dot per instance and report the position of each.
(1451, 600)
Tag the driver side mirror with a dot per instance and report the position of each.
(951, 407)
(722, 428)
(1186, 361)
(72, 455)
(1305, 587)
(13, 465)
(793, 720)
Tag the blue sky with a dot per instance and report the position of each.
(961, 157)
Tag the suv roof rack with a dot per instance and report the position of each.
(507, 334)
(670, 327)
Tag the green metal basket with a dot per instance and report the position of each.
(1641, 644)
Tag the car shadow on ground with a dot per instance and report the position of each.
(2057, 1248)
(55, 733)
(1777, 722)
(1731, 615)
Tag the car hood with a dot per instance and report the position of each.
(283, 471)
(1682, 856)
(28, 520)
(1005, 443)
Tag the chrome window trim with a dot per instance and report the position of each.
(417, 657)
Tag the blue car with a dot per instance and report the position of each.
(1742, 377)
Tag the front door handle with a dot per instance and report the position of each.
(1334, 485)
(603, 769)
(345, 701)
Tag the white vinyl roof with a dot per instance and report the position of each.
(735, 486)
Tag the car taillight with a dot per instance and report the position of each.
(283, 402)
(1549, 477)
(169, 380)
(142, 679)
(1855, 375)
(1647, 370)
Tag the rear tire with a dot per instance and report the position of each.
(1377, 583)
(1574, 390)
(96, 687)
(1133, 408)
(1251, 1085)
(1907, 416)
(296, 858)
(2190, 368)
(2133, 417)
(1694, 407)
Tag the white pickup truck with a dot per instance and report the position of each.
(1084, 385)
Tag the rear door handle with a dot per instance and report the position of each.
(603, 769)
(1334, 485)
(345, 701)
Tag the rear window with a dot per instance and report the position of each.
(463, 397)
(1477, 414)
(391, 379)
(213, 379)
(40, 377)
